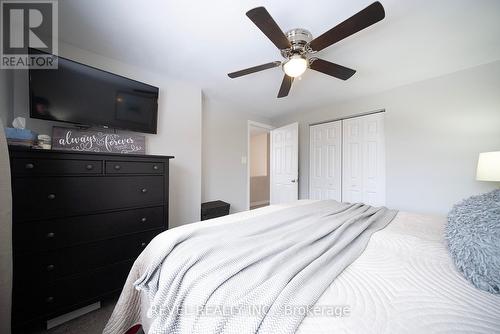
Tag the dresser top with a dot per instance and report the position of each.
(28, 150)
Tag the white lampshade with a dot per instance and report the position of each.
(488, 167)
(295, 66)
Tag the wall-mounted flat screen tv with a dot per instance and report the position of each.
(84, 95)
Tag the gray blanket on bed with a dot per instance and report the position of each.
(257, 275)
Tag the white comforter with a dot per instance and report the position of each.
(404, 282)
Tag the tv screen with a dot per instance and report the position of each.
(81, 94)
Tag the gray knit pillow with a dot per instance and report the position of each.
(473, 236)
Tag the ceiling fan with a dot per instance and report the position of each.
(298, 47)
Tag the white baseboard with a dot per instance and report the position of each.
(259, 203)
(51, 323)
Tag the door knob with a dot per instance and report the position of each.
(293, 181)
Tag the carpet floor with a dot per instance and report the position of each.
(90, 323)
(258, 206)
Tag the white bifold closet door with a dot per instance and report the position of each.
(363, 161)
(347, 160)
(326, 161)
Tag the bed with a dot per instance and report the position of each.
(403, 282)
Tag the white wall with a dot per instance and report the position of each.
(225, 142)
(179, 127)
(435, 130)
(6, 81)
(5, 206)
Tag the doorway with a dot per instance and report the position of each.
(258, 165)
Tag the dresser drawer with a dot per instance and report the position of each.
(62, 232)
(31, 302)
(43, 197)
(134, 167)
(52, 265)
(25, 166)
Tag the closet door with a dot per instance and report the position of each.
(364, 160)
(325, 178)
(352, 177)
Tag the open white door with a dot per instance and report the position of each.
(284, 164)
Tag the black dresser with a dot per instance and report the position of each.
(79, 222)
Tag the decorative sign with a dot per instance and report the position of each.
(96, 141)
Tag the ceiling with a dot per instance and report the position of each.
(200, 41)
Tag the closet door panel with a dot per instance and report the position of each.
(374, 160)
(352, 185)
(325, 161)
(364, 160)
(316, 164)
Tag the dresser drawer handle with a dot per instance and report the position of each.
(155, 167)
(51, 267)
(51, 197)
(49, 299)
(118, 167)
(29, 166)
(144, 219)
(51, 235)
(144, 190)
(89, 167)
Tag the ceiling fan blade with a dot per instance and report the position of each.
(335, 70)
(363, 19)
(263, 20)
(254, 69)
(286, 84)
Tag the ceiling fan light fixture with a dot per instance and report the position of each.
(295, 66)
(298, 47)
